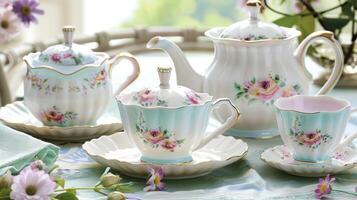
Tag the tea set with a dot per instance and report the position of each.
(249, 90)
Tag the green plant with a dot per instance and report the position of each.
(306, 18)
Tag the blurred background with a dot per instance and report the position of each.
(128, 24)
(90, 16)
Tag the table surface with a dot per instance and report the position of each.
(249, 178)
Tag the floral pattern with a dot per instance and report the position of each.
(193, 98)
(147, 97)
(265, 90)
(36, 81)
(157, 138)
(42, 84)
(98, 80)
(53, 116)
(311, 139)
(252, 37)
(60, 58)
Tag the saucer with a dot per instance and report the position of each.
(17, 116)
(279, 157)
(119, 153)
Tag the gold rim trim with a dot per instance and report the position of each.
(162, 69)
(68, 28)
(310, 166)
(93, 141)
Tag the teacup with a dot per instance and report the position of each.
(313, 127)
(167, 123)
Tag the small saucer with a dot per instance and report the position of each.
(118, 152)
(17, 116)
(279, 157)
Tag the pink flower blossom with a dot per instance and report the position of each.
(169, 144)
(267, 89)
(324, 187)
(310, 138)
(67, 55)
(155, 180)
(146, 96)
(5, 3)
(56, 57)
(32, 185)
(37, 165)
(154, 136)
(9, 25)
(193, 97)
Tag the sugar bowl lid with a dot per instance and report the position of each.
(165, 95)
(253, 29)
(65, 55)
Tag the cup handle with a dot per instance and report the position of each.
(230, 121)
(328, 37)
(132, 77)
(350, 138)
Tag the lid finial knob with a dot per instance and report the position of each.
(68, 32)
(164, 76)
(254, 8)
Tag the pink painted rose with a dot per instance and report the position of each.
(100, 76)
(267, 89)
(56, 57)
(54, 116)
(154, 136)
(193, 98)
(287, 92)
(310, 138)
(146, 96)
(169, 144)
(67, 55)
(253, 89)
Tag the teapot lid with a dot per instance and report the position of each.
(67, 54)
(165, 95)
(252, 28)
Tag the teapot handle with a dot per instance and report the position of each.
(136, 70)
(230, 121)
(328, 37)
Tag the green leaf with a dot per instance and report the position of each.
(60, 181)
(72, 191)
(306, 25)
(66, 196)
(333, 24)
(287, 21)
(5, 193)
(347, 9)
(353, 2)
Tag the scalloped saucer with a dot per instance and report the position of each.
(17, 116)
(118, 152)
(279, 157)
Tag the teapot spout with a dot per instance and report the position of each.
(186, 75)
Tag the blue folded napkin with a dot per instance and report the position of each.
(18, 149)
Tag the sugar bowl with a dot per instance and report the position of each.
(69, 84)
(168, 122)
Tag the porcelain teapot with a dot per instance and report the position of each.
(69, 84)
(254, 63)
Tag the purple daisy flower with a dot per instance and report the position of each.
(26, 10)
(324, 187)
(155, 180)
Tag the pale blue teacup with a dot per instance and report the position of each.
(313, 127)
